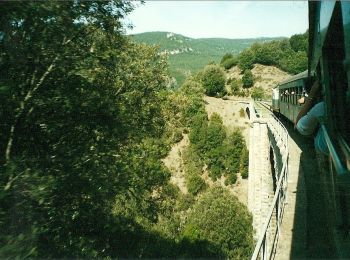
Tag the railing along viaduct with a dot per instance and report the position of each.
(272, 171)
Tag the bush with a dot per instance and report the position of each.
(241, 112)
(244, 163)
(213, 80)
(193, 168)
(231, 179)
(227, 56)
(258, 93)
(246, 59)
(191, 87)
(247, 79)
(215, 172)
(235, 87)
(220, 219)
(195, 184)
(233, 151)
(229, 63)
(177, 136)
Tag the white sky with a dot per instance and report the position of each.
(227, 19)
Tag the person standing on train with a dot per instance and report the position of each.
(309, 118)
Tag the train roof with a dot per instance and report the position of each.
(301, 75)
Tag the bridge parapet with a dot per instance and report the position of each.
(266, 205)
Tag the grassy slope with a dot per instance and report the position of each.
(199, 52)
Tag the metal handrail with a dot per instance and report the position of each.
(340, 169)
(262, 245)
(276, 203)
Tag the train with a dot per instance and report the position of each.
(286, 94)
(329, 62)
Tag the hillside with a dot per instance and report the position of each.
(189, 55)
(266, 77)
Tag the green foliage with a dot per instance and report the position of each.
(266, 53)
(235, 87)
(193, 169)
(213, 80)
(258, 93)
(229, 63)
(246, 59)
(248, 79)
(220, 219)
(215, 134)
(177, 135)
(222, 154)
(244, 163)
(300, 42)
(288, 54)
(295, 62)
(195, 184)
(86, 119)
(234, 145)
(226, 57)
(231, 179)
(87, 113)
(192, 87)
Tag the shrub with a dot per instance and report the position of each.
(177, 136)
(241, 112)
(247, 79)
(233, 150)
(215, 172)
(216, 132)
(229, 63)
(213, 80)
(195, 184)
(226, 57)
(258, 93)
(235, 87)
(231, 179)
(191, 87)
(246, 59)
(220, 219)
(244, 163)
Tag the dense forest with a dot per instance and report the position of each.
(86, 117)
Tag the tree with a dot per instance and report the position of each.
(226, 57)
(248, 79)
(299, 42)
(213, 80)
(246, 59)
(219, 218)
(294, 62)
(82, 115)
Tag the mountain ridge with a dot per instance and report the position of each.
(189, 55)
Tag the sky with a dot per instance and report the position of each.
(224, 19)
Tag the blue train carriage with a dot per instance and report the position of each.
(288, 92)
(329, 59)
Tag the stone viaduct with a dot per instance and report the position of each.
(269, 148)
